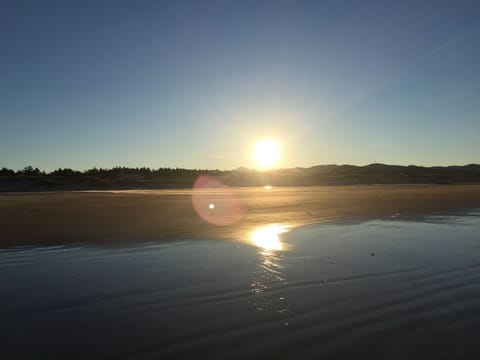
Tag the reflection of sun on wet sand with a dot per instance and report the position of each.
(267, 237)
(68, 217)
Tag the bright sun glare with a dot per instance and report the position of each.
(267, 237)
(266, 153)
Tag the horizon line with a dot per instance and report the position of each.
(231, 169)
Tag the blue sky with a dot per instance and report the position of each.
(195, 83)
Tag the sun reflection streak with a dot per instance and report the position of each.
(269, 276)
(267, 237)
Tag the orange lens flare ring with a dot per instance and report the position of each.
(215, 202)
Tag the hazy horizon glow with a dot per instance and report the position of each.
(194, 84)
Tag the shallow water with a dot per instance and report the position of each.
(379, 289)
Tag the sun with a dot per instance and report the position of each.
(266, 153)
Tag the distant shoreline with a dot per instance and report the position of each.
(29, 190)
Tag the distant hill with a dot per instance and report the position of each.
(33, 179)
(369, 174)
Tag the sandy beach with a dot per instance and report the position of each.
(356, 280)
(119, 216)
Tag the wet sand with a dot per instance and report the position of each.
(118, 216)
(382, 289)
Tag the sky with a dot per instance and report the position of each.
(195, 84)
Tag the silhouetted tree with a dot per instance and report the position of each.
(68, 173)
(30, 171)
(6, 172)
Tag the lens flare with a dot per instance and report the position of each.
(215, 202)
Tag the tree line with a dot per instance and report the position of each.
(109, 173)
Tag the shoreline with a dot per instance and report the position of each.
(116, 216)
(174, 189)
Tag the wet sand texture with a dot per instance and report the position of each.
(324, 297)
